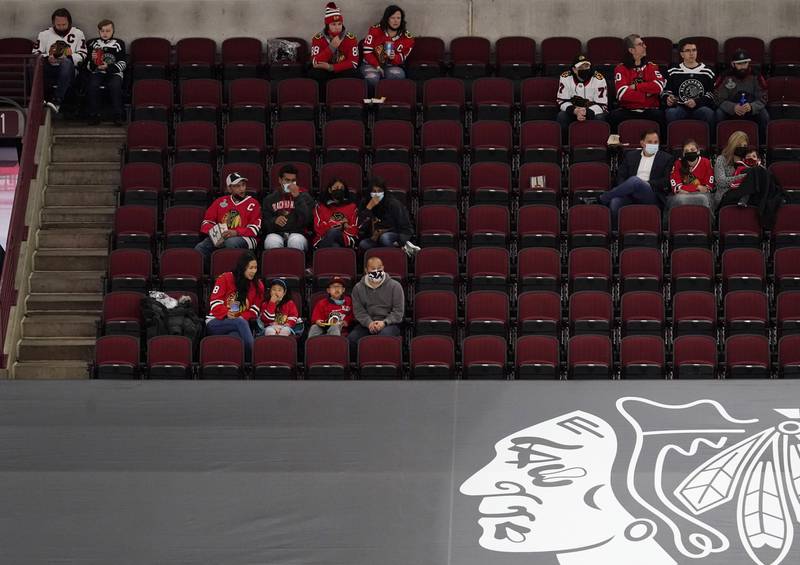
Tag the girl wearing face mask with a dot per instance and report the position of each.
(384, 220)
(692, 178)
(335, 217)
(726, 163)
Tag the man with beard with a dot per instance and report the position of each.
(582, 94)
(64, 48)
(386, 47)
(741, 94)
(334, 51)
(690, 88)
(639, 84)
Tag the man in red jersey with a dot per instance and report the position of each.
(639, 85)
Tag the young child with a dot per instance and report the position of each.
(279, 313)
(751, 159)
(107, 62)
(332, 315)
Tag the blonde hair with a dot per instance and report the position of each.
(736, 139)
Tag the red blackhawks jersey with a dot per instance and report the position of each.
(325, 309)
(342, 59)
(286, 315)
(243, 217)
(649, 86)
(224, 294)
(702, 174)
(375, 47)
(595, 90)
(327, 217)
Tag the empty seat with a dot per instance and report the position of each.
(284, 263)
(150, 57)
(241, 57)
(785, 55)
(439, 182)
(245, 142)
(690, 226)
(180, 269)
(182, 225)
(539, 268)
(605, 52)
(491, 140)
(401, 100)
(590, 269)
(788, 175)
(393, 141)
(789, 356)
(539, 183)
(436, 268)
(639, 225)
(135, 226)
(344, 99)
(432, 357)
(490, 183)
(784, 99)
(470, 57)
(224, 260)
(169, 357)
(130, 269)
(380, 357)
(540, 141)
(191, 183)
(141, 183)
(488, 224)
(588, 180)
(196, 142)
(122, 313)
(298, 99)
(538, 98)
(249, 99)
(788, 312)
(343, 142)
(196, 57)
(786, 231)
(442, 141)
(538, 226)
(787, 268)
(484, 357)
(493, 99)
(295, 141)
(692, 269)
(739, 227)
(747, 356)
(443, 98)
(590, 312)
(743, 269)
(435, 312)
(116, 357)
(641, 268)
(332, 262)
(275, 357)
(487, 313)
(746, 312)
(516, 57)
(437, 225)
(147, 141)
(537, 357)
(589, 357)
(221, 357)
(694, 312)
(426, 60)
(589, 225)
(587, 141)
(488, 268)
(783, 140)
(152, 100)
(642, 312)
(694, 357)
(539, 312)
(642, 357)
(327, 357)
(201, 99)
(558, 53)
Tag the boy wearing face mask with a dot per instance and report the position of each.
(287, 212)
(582, 94)
(384, 220)
(333, 315)
(378, 305)
(692, 178)
(742, 94)
(335, 217)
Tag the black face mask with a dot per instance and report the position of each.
(740, 151)
(338, 196)
(585, 74)
(690, 156)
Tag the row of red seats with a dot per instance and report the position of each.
(483, 357)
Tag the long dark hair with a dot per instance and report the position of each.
(325, 195)
(61, 13)
(685, 169)
(387, 13)
(242, 283)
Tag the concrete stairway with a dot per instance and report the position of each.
(66, 294)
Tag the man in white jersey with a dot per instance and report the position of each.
(64, 49)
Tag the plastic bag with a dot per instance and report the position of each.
(282, 51)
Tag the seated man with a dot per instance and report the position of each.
(642, 177)
(106, 63)
(287, 212)
(237, 214)
(690, 88)
(64, 47)
(378, 305)
(638, 84)
(334, 51)
(742, 94)
(582, 94)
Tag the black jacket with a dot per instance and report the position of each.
(764, 192)
(389, 215)
(297, 211)
(659, 174)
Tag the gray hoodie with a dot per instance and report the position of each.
(383, 304)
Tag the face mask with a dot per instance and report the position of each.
(338, 302)
(585, 74)
(691, 155)
(651, 148)
(338, 196)
(378, 195)
(376, 275)
(286, 186)
(751, 162)
(740, 151)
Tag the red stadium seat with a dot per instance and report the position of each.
(746, 312)
(401, 99)
(332, 262)
(344, 99)
(754, 46)
(789, 356)
(135, 226)
(192, 183)
(694, 357)
(249, 99)
(692, 269)
(253, 172)
(484, 357)
(639, 226)
(122, 313)
(180, 270)
(786, 231)
(642, 357)
(470, 57)
(169, 357)
(439, 183)
(681, 130)
(398, 179)
(785, 55)
(380, 357)
(435, 312)
(539, 312)
(295, 141)
(659, 51)
(487, 313)
(490, 183)
(516, 57)
(587, 141)
(739, 227)
(590, 269)
(432, 357)
(282, 69)
(590, 312)
(641, 268)
(442, 141)
(350, 173)
(605, 51)
(539, 226)
(690, 226)
(201, 99)
(245, 142)
(788, 175)
(488, 224)
(436, 268)
(444, 98)
(784, 99)
(558, 54)
(182, 225)
(539, 268)
(275, 357)
(540, 183)
(116, 357)
(728, 127)
(589, 226)
(487, 268)
(437, 225)
(343, 142)
(224, 260)
(694, 312)
(393, 141)
(630, 132)
(747, 356)
(298, 99)
(540, 142)
(241, 57)
(147, 142)
(707, 49)
(130, 269)
(537, 357)
(493, 99)
(642, 312)
(221, 357)
(284, 263)
(196, 57)
(743, 269)
(327, 357)
(787, 268)
(788, 313)
(196, 142)
(395, 261)
(538, 98)
(426, 59)
(588, 180)
(491, 140)
(150, 57)
(141, 183)
(589, 357)
(783, 140)
(305, 174)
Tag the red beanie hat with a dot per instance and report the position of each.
(332, 14)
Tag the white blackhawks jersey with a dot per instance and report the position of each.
(595, 90)
(74, 38)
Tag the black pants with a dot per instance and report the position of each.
(113, 84)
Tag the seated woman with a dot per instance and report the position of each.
(726, 163)
(335, 217)
(384, 219)
(692, 178)
(236, 301)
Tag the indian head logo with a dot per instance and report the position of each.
(549, 487)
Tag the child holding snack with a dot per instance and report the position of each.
(332, 315)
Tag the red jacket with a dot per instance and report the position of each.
(374, 47)
(702, 174)
(344, 58)
(649, 85)
(224, 293)
(286, 316)
(325, 307)
(244, 218)
(331, 216)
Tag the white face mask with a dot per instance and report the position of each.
(286, 186)
(378, 195)
(651, 148)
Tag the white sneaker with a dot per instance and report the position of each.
(52, 105)
(411, 249)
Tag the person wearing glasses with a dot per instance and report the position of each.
(689, 94)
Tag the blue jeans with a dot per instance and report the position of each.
(360, 331)
(700, 113)
(206, 247)
(762, 119)
(332, 238)
(388, 239)
(632, 190)
(113, 84)
(236, 327)
(62, 75)
(373, 75)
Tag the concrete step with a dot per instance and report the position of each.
(64, 128)
(84, 173)
(68, 303)
(66, 149)
(59, 325)
(80, 195)
(87, 282)
(70, 259)
(51, 370)
(56, 349)
(77, 217)
(82, 237)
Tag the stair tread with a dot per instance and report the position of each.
(83, 209)
(74, 251)
(60, 317)
(86, 164)
(48, 341)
